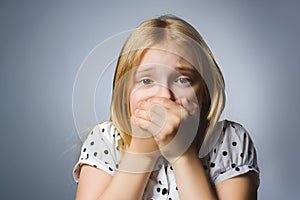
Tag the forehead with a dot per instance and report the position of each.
(154, 57)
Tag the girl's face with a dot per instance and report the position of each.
(164, 74)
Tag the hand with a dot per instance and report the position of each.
(173, 125)
(142, 140)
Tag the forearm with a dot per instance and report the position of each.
(130, 179)
(125, 186)
(191, 179)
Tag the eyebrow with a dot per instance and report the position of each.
(185, 69)
(143, 70)
(180, 69)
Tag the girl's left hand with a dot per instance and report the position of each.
(173, 124)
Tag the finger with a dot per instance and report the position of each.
(155, 114)
(158, 115)
(145, 105)
(143, 114)
(142, 123)
(190, 106)
(167, 103)
(148, 126)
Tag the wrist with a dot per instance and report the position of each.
(187, 157)
(137, 162)
(142, 145)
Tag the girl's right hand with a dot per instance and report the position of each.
(173, 124)
(142, 141)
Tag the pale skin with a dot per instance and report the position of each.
(165, 80)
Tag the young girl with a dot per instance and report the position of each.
(164, 140)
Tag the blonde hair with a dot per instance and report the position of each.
(153, 32)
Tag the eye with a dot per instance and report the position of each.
(146, 81)
(184, 80)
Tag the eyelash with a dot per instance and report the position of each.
(146, 81)
(180, 80)
(184, 80)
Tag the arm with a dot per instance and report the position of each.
(191, 178)
(192, 182)
(97, 184)
(237, 188)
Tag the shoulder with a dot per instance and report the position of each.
(233, 132)
(103, 128)
(104, 131)
(233, 153)
(100, 149)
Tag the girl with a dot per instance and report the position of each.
(164, 140)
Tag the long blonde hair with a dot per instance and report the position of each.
(153, 32)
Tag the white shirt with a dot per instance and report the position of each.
(228, 152)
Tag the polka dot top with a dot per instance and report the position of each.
(228, 152)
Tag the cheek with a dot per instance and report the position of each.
(190, 93)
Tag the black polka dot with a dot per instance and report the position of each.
(224, 153)
(170, 198)
(95, 166)
(103, 130)
(114, 135)
(222, 172)
(176, 188)
(105, 151)
(117, 148)
(233, 165)
(164, 191)
(212, 165)
(159, 182)
(171, 168)
(92, 143)
(87, 156)
(250, 167)
(215, 150)
(95, 154)
(237, 169)
(110, 169)
(84, 150)
(158, 189)
(92, 133)
(242, 155)
(117, 166)
(245, 135)
(234, 143)
(106, 162)
(232, 126)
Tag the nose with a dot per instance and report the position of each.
(164, 91)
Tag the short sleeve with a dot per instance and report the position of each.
(234, 154)
(100, 150)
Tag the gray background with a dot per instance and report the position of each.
(43, 43)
